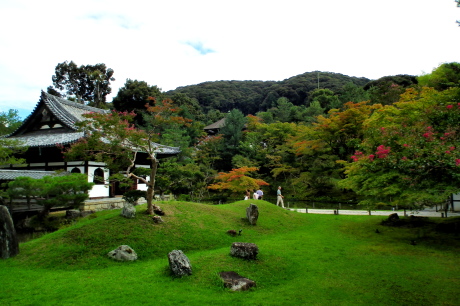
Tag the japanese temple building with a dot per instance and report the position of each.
(50, 126)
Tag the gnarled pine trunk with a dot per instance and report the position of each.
(151, 187)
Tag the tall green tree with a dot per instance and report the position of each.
(11, 151)
(353, 93)
(284, 110)
(232, 133)
(388, 89)
(88, 84)
(190, 107)
(443, 77)
(319, 147)
(134, 96)
(312, 112)
(9, 121)
(326, 98)
(207, 156)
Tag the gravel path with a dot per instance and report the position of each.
(423, 213)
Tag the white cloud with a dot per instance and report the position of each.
(179, 42)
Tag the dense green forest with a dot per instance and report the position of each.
(320, 135)
(251, 97)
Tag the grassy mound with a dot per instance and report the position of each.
(304, 259)
(187, 226)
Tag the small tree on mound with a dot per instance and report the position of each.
(236, 180)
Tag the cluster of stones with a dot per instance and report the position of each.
(129, 212)
(179, 263)
(75, 213)
(247, 251)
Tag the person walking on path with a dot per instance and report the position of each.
(260, 193)
(279, 197)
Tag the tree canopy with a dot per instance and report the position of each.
(409, 155)
(89, 84)
(9, 121)
(251, 97)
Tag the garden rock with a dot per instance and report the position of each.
(158, 210)
(157, 219)
(393, 217)
(74, 213)
(128, 211)
(9, 244)
(231, 233)
(123, 253)
(252, 213)
(179, 263)
(244, 250)
(236, 282)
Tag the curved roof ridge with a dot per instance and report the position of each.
(56, 108)
(69, 112)
(75, 104)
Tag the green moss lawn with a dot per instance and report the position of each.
(304, 259)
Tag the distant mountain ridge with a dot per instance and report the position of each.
(253, 96)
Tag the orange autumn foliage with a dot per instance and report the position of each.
(237, 181)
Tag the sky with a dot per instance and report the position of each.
(185, 42)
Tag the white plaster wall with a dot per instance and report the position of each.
(143, 186)
(99, 190)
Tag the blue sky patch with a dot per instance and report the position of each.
(198, 46)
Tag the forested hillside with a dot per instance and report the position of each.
(251, 97)
(320, 135)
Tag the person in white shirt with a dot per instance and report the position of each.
(260, 193)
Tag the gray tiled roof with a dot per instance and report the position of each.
(48, 140)
(68, 113)
(216, 125)
(35, 174)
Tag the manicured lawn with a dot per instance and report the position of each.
(304, 259)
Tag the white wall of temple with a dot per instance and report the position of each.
(98, 190)
(102, 188)
(140, 184)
